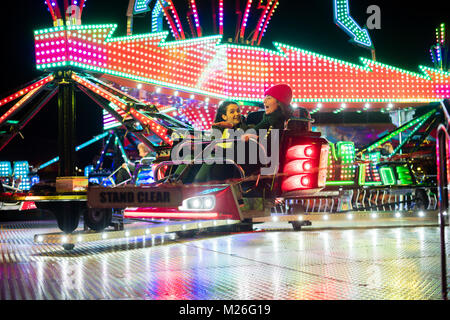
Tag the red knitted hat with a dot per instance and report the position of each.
(281, 92)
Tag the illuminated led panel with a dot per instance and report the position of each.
(346, 153)
(332, 163)
(225, 71)
(370, 169)
(5, 169)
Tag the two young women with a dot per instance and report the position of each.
(278, 109)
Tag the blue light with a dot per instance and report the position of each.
(88, 170)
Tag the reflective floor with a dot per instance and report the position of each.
(385, 263)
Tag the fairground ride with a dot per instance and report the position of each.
(149, 86)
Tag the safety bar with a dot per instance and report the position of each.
(213, 143)
(190, 162)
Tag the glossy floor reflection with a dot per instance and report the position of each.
(387, 263)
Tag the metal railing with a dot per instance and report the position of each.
(443, 172)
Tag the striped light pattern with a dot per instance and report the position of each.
(18, 105)
(227, 71)
(26, 90)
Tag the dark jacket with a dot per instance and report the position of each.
(275, 120)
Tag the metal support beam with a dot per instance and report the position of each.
(66, 128)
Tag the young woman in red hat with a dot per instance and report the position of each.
(277, 104)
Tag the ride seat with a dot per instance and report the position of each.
(300, 121)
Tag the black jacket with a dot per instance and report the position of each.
(275, 120)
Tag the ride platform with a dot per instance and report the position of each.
(366, 263)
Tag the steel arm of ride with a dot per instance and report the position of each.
(146, 121)
(27, 88)
(45, 99)
(115, 115)
(397, 131)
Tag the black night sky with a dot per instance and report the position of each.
(407, 32)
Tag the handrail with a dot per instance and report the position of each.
(442, 152)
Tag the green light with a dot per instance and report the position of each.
(339, 183)
(387, 176)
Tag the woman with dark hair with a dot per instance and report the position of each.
(228, 116)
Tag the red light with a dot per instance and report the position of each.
(298, 166)
(305, 181)
(297, 182)
(307, 166)
(300, 151)
(309, 151)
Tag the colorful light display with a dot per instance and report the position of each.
(143, 119)
(5, 169)
(225, 71)
(342, 18)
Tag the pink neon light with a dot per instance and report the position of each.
(171, 215)
(177, 19)
(196, 18)
(220, 16)
(244, 20)
(261, 21)
(267, 22)
(238, 72)
(52, 12)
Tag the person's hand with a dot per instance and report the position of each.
(223, 124)
(124, 165)
(248, 136)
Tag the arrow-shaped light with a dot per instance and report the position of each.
(141, 6)
(343, 19)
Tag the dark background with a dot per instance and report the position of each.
(407, 32)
